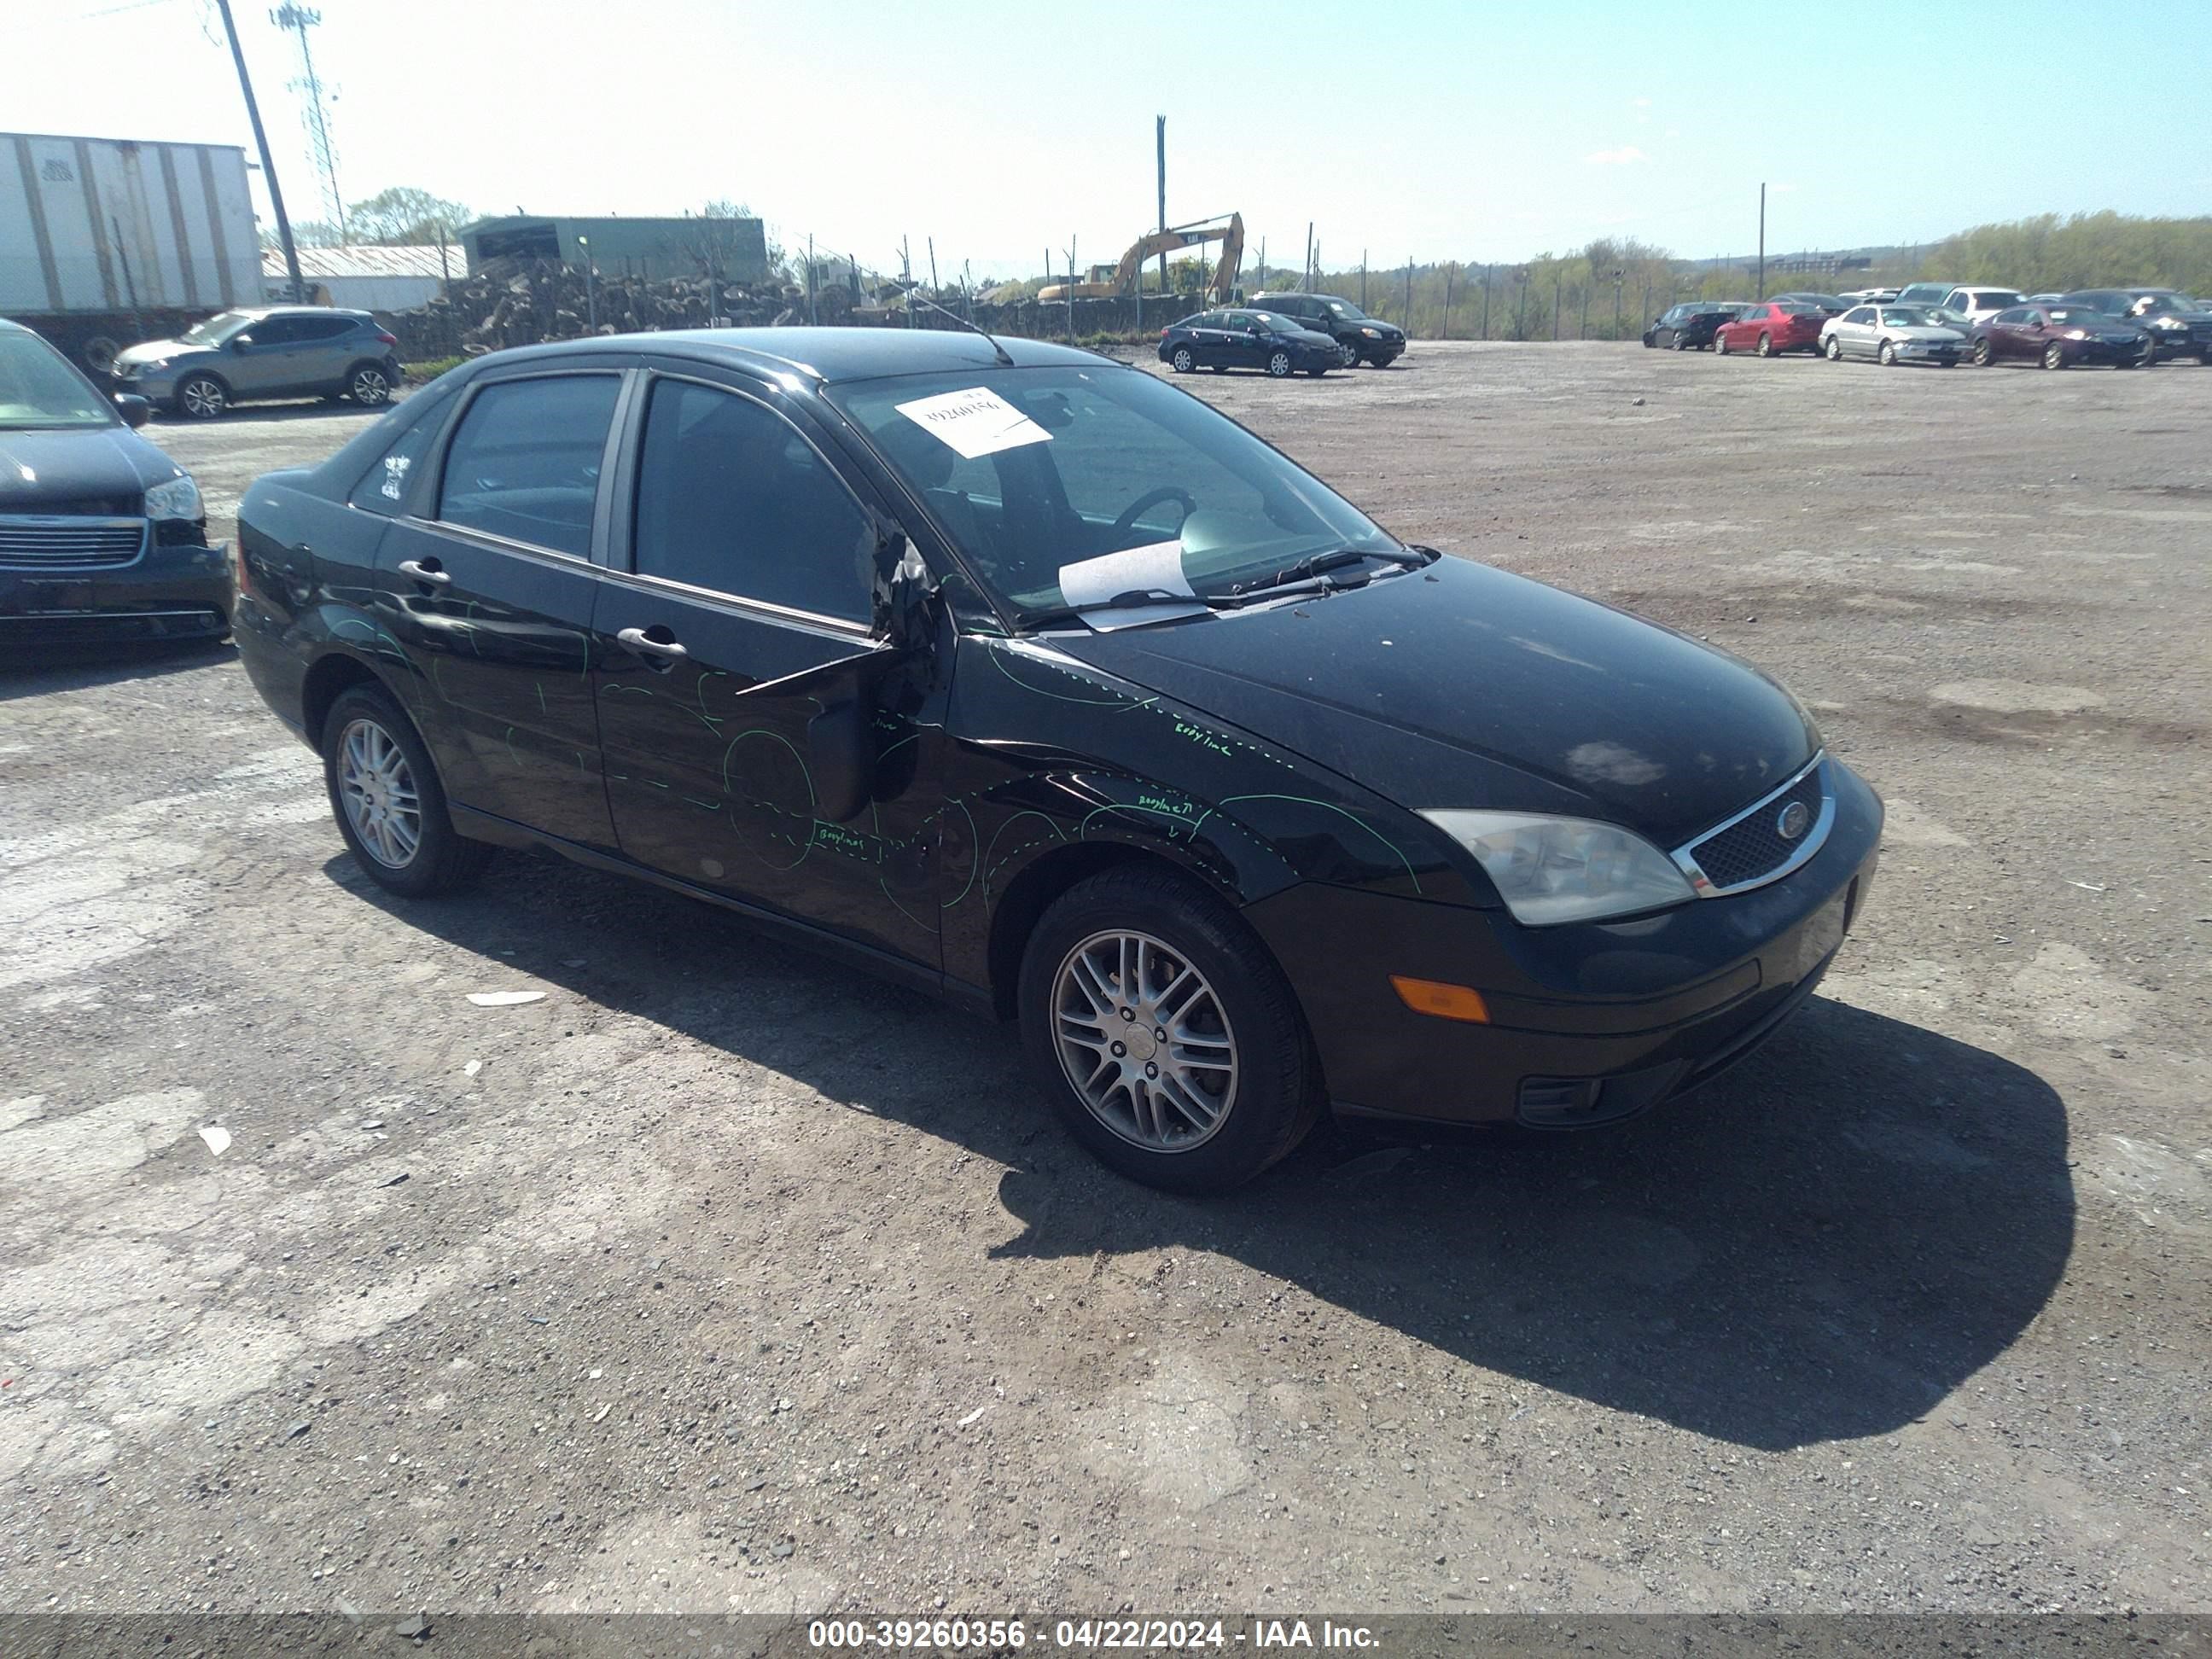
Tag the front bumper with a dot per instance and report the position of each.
(171, 593)
(1381, 353)
(1588, 1023)
(2103, 351)
(1923, 351)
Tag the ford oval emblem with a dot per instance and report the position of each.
(1793, 821)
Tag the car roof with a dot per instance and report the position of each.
(826, 354)
(297, 311)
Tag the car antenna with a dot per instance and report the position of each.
(963, 322)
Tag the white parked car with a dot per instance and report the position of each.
(1890, 335)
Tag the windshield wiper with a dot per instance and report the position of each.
(1313, 564)
(1128, 599)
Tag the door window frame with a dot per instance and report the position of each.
(621, 502)
(421, 508)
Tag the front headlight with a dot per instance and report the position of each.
(1552, 870)
(2168, 322)
(1372, 333)
(2077, 333)
(180, 498)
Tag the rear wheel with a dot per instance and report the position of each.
(1680, 343)
(1168, 1039)
(391, 807)
(1278, 364)
(1983, 356)
(1765, 347)
(1835, 349)
(1183, 362)
(1889, 355)
(369, 386)
(2054, 355)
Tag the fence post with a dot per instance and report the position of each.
(1451, 270)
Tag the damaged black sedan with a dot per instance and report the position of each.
(1022, 676)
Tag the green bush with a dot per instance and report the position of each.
(422, 374)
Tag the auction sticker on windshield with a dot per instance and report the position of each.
(976, 422)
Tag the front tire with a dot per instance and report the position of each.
(1983, 356)
(1349, 352)
(1215, 1077)
(1765, 347)
(1835, 349)
(2054, 355)
(1279, 365)
(201, 398)
(1679, 343)
(1183, 362)
(1889, 355)
(390, 807)
(1720, 345)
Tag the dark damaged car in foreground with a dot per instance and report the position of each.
(102, 536)
(1021, 676)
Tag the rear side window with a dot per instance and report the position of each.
(732, 499)
(2017, 314)
(1863, 314)
(524, 461)
(321, 328)
(384, 488)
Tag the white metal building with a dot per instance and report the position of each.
(364, 278)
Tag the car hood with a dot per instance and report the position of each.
(1463, 686)
(102, 469)
(149, 351)
(1935, 334)
(1388, 331)
(1309, 337)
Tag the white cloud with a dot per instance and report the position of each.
(1626, 156)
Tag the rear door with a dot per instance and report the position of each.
(325, 351)
(489, 596)
(741, 611)
(257, 363)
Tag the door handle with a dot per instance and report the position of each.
(424, 573)
(637, 639)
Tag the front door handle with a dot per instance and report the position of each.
(637, 639)
(424, 573)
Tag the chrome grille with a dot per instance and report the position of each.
(1749, 849)
(27, 540)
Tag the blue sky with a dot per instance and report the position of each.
(1430, 130)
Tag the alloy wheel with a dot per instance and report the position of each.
(2054, 355)
(1279, 364)
(1889, 355)
(1183, 362)
(1981, 354)
(1143, 1040)
(368, 387)
(1766, 345)
(376, 787)
(1835, 349)
(203, 398)
(1349, 352)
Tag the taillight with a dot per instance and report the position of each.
(237, 567)
(387, 339)
(1166, 333)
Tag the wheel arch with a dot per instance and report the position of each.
(196, 373)
(328, 677)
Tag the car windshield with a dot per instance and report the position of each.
(216, 329)
(1993, 299)
(1822, 301)
(38, 389)
(1028, 470)
(1905, 317)
(1794, 310)
(2155, 305)
(1347, 310)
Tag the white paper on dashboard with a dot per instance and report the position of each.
(1155, 567)
(975, 423)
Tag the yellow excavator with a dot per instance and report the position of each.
(1229, 232)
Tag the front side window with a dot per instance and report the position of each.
(732, 499)
(383, 489)
(38, 389)
(1049, 466)
(525, 462)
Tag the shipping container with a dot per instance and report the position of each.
(106, 240)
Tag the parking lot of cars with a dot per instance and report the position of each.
(706, 1275)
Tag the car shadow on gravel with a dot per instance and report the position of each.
(1820, 1245)
(35, 671)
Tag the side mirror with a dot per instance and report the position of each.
(239, 341)
(840, 756)
(905, 594)
(135, 409)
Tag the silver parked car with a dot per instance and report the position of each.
(273, 351)
(1890, 335)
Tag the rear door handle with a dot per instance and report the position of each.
(424, 573)
(637, 639)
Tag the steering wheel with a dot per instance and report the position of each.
(1135, 510)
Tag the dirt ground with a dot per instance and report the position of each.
(722, 1279)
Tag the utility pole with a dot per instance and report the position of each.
(1555, 305)
(1486, 301)
(1363, 279)
(299, 20)
(1263, 262)
(1409, 295)
(1761, 295)
(906, 278)
(591, 295)
(1619, 276)
(1160, 148)
(268, 165)
(1450, 271)
(1071, 289)
(1305, 282)
(810, 318)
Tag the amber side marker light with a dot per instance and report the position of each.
(1445, 1001)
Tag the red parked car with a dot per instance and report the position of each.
(1771, 326)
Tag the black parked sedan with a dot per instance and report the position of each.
(1263, 340)
(102, 535)
(1019, 676)
(1690, 327)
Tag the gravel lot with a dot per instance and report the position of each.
(722, 1279)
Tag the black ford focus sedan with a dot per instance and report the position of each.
(102, 536)
(1016, 675)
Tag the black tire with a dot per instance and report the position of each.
(1887, 354)
(1835, 349)
(1181, 361)
(1349, 350)
(1317, 372)
(1279, 1090)
(443, 859)
(201, 398)
(1681, 345)
(2054, 355)
(369, 385)
(1983, 355)
(1720, 346)
(1765, 346)
(1279, 365)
